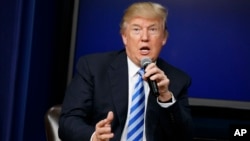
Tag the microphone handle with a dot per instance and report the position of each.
(152, 84)
(153, 87)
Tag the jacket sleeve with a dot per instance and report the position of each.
(74, 122)
(179, 115)
(174, 122)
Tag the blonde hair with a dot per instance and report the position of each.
(144, 10)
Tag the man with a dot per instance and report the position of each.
(97, 102)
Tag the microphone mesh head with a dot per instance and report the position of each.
(145, 61)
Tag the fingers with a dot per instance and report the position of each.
(106, 121)
(150, 70)
(103, 128)
(154, 73)
(110, 117)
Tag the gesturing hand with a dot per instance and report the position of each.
(103, 128)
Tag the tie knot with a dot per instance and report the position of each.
(141, 72)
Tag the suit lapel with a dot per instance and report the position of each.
(118, 74)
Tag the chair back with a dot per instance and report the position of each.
(51, 123)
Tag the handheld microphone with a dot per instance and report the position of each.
(152, 83)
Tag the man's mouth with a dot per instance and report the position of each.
(144, 50)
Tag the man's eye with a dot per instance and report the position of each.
(153, 29)
(136, 29)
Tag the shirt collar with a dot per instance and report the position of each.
(132, 68)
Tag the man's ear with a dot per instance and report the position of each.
(165, 38)
(124, 38)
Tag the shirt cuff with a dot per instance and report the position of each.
(92, 136)
(166, 105)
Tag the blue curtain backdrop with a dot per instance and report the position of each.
(33, 64)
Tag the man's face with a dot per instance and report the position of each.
(143, 38)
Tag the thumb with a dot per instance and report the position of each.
(110, 117)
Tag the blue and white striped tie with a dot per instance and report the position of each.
(136, 115)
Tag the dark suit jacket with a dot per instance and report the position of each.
(101, 85)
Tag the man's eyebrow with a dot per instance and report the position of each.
(152, 25)
(136, 25)
(147, 27)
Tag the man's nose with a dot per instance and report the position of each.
(145, 35)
